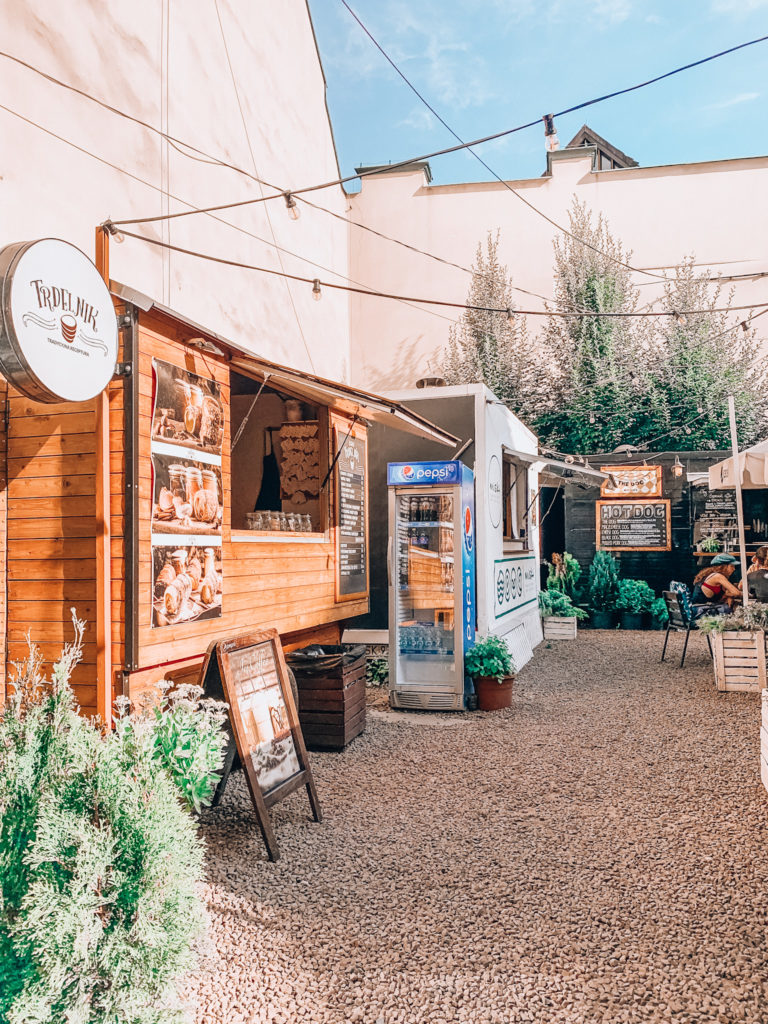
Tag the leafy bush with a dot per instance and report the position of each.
(741, 620)
(603, 582)
(490, 658)
(559, 605)
(710, 544)
(659, 611)
(99, 858)
(635, 597)
(564, 574)
(377, 672)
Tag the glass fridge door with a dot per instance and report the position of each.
(425, 588)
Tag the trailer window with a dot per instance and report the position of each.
(515, 491)
(279, 459)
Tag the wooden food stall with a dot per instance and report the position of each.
(202, 494)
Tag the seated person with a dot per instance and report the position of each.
(757, 575)
(713, 592)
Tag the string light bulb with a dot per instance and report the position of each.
(112, 231)
(744, 326)
(316, 292)
(591, 417)
(678, 318)
(293, 207)
(551, 141)
(677, 467)
(510, 314)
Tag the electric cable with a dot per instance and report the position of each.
(448, 149)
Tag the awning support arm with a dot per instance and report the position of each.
(337, 456)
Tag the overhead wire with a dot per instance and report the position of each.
(451, 149)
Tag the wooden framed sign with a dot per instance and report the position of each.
(251, 672)
(351, 489)
(632, 482)
(633, 525)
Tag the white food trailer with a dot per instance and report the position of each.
(509, 471)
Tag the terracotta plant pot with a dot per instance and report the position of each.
(493, 695)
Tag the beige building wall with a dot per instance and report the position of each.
(717, 211)
(257, 102)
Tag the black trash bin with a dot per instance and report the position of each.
(331, 684)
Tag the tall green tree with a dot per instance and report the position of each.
(494, 348)
(600, 365)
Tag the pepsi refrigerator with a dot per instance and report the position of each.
(431, 567)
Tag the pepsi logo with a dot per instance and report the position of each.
(407, 472)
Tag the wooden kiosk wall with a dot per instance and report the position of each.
(51, 531)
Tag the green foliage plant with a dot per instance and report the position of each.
(100, 861)
(635, 597)
(752, 619)
(490, 658)
(659, 611)
(603, 582)
(710, 544)
(556, 604)
(564, 574)
(376, 672)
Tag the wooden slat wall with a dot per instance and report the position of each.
(290, 587)
(3, 534)
(51, 551)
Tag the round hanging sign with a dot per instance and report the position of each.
(495, 499)
(58, 329)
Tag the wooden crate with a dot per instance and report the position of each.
(764, 740)
(332, 705)
(559, 628)
(739, 660)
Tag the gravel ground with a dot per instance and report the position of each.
(597, 853)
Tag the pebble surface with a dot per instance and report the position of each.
(596, 854)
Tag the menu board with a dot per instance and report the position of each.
(633, 525)
(721, 503)
(251, 672)
(631, 482)
(351, 514)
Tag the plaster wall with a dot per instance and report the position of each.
(717, 211)
(258, 103)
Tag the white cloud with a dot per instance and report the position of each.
(738, 7)
(419, 118)
(743, 97)
(614, 11)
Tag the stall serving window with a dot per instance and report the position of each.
(515, 511)
(279, 462)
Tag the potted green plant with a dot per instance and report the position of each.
(564, 574)
(490, 665)
(711, 545)
(738, 646)
(559, 615)
(635, 600)
(659, 614)
(603, 589)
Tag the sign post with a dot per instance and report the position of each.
(739, 503)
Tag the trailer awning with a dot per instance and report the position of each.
(314, 389)
(557, 469)
(347, 399)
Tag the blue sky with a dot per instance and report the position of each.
(491, 64)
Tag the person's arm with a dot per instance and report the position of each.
(725, 583)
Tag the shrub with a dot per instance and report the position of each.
(635, 597)
(659, 611)
(376, 672)
(603, 582)
(751, 619)
(555, 603)
(564, 574)
(490, 658)
(99, 856)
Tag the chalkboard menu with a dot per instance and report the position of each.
(721, 503)
(634, 525)
(249, 671)
(351, 514)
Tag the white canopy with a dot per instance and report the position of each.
(753, 469)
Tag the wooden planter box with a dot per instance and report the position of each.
(764, 740)
(739, 660)
(558, 628)
(331, 705)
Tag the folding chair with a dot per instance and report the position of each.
(681, 620)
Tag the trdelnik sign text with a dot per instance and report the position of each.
(58, 330)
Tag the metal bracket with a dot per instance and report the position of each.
(122, 370)
(125, 321)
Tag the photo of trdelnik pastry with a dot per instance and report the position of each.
(188, 409)
(186, 496)
(186, 584)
